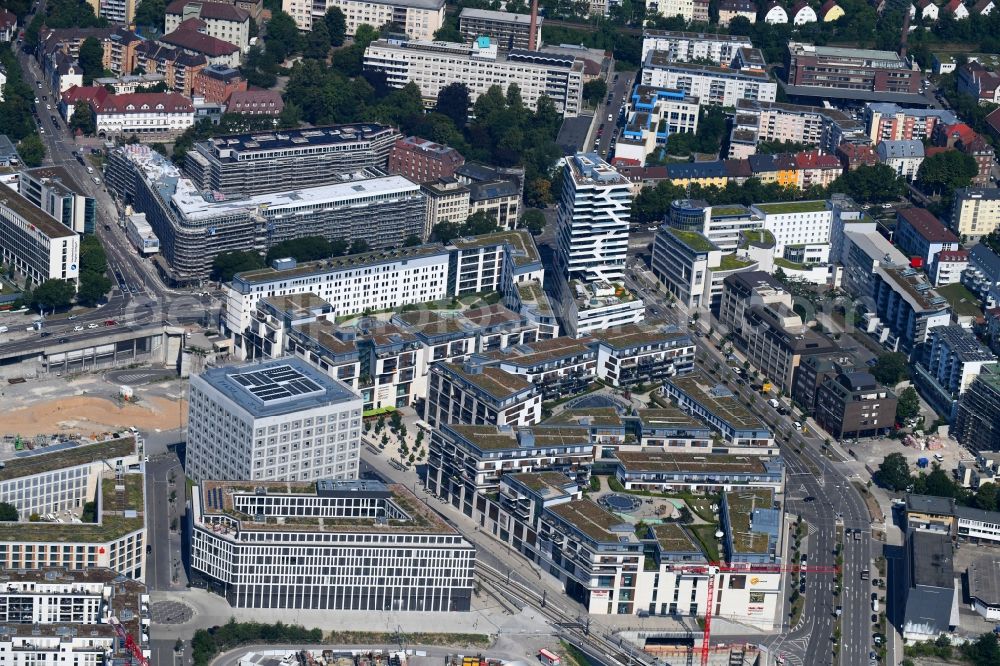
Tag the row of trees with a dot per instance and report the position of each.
(308, 248)
(894, 473)
(15, 111)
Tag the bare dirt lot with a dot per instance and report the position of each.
(88, 415)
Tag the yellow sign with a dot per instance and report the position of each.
(766, 388)
(754, 580)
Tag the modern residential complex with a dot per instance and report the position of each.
(593, 219)
(720, 49)
(259, 163)
(976, 212)
(420, 19)
(721, 409)
(35, 244)
(479, 65)
(279, 420)
(655, 115)
(977, 417)
(951, 360)
(509, 31)
(758, 121)
(711, 85)
(477, 393)
(338, 545)
(891, 122)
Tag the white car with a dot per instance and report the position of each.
(41, 130)
(37, 100)
(91, 325)
(97, 181)
(78, 328)
(48, 107)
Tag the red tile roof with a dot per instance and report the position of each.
(7, 19)
(953, 255)
(260, 102)
(830, 4)
(961, 131)
(927, 225)
(139, 102)
(220, 11)
(814, 159)
(200, 43)
(952, 6)
(930, 151)
(87, 94)
(192, 24)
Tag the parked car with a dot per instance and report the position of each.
(78, 328)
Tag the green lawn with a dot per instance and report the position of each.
(962, 301)
(705, 534)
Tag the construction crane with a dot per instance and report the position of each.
(715, 568)
(130, 643)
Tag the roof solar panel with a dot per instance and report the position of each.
(277, 383)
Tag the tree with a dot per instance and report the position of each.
(595, 90)
(52, 294)
(336, 26)
(411, 241)
(93, 288)
(870, 184)
(908, 405)
(448, 32)
(317, 42)
(893, 472)
(891, 368)
(151, 13)
(533, 221)
(32, 150)
(8, 512)
(443, 232)
(947, 171)
(91, 60)
(358, 246)
(82, 119)
(283, 37)
(307, 248)
(364, 35)
(453, 101)
(228, 264)
(479, 223)
(986, 497)
(984, 651)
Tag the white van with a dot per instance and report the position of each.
(774, 403)
(938, 457)
(3, 329)
(874, 605)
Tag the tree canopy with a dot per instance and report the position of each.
(595, 90)
(32, 150)
(908, 405)
(307, 248)
(94, 283)
(534, 221)
(82, 119)
(151, 13)
(91, 60)
(891, 368)
(52, 295)
(893, 472)
(870, 184)
(228, 264)
(453, 102)
(8, 512)
(946, 171)
(336, 26)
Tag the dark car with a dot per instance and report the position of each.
(63, 340)
(45, 334)
(874, 596)
(802, 588)
(874, 618)
(809, 499)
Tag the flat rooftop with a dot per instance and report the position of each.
(719, 401)
(494, 381)
(593, 520)
(64, 456)
(543, 352)
(657, 461)
(932, 559)
(491, 438)
(741, 505)
(670, 418)
(545, 483)
(246, 145)
(430, 324)
(278, 386)
(348, 262)
(217, 499)
(33, 215)
(984, 580)
(631, 336)
(915, 287)
(788, 207)
(523, 245)
(594, 416)
(673, 538)
(663, 60)
(507, 17)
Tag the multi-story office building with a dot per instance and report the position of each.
(920, 234)
(500, 199)
(34, 244)
(720, 49)
(419, 19)
(447, 201)
(862, 252)
(858, 74)
(906, 308)
(976, 212)
(51, 616)
(468, 460)
(351, 284)
(803, 226)
(54, 190)
(423, 161)
(193, 226)
(853, 405)
(722, 410)
(279, 420)
(595, 306)
(509, 31)
(477, 393)
(480, 66)
(593, 219)
(338, 545)
(758, 311)
(977, 418)
(261, 162)
(891, 122)
(49, 490)
(691, 266)
(711, 85)
(221, 20)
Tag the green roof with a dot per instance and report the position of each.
(730, 210)
(731, 262)
(673, 538)
(758, 237)
(785, 263)
(741, 504)
(962, 301)
(693, 240)
(786, 207)
(43, 461)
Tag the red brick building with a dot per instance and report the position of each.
(255, 103)
(216, 83)
(423, 161)
(853, 155)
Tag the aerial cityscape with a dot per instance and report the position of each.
(499, 332)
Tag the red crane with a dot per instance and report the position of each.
(715, 568)
(130, 643)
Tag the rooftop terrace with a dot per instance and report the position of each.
(741, 505)
(63, 456)
(593, 520)
(718, 400)
(494, 381)
(657, 461)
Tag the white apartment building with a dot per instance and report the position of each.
(222, 20)
(682, 261)
(689, 10)
(904, 156)
(34, 244)
(597, 306)
(49, 490)
(976, 212)
(475, 393)
(711, 85)
(593, 219)
(758, 121)
(339, 545)
(55, 617)
(142, 114)
(447, 201)
(654, 115)
(688, 46)
(280, 420)
(419, 18)
(352, 284)
(800, 227)
(480, 65)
